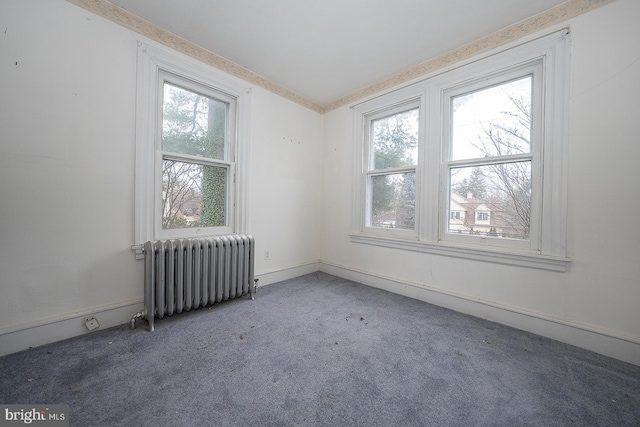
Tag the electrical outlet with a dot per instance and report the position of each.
(91, 323)
(267, 256)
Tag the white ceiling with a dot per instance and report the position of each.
(326, 49)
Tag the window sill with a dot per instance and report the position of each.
(496, 256)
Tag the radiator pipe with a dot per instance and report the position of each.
(138, 315)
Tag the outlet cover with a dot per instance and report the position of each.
(92, 324)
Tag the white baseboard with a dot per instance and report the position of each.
(278, 275)
(603, 341)
(607, 342)
(45, 331)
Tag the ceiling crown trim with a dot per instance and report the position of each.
(553, 16)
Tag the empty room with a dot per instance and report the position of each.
(342, 212)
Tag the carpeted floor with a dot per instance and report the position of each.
(323, 351)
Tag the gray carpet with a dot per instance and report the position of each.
(323, 351)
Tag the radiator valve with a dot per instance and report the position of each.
(138, 315)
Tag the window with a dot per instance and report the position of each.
(470, 163)
(197, 157)
(491, 157)
(391, 168)
(192, 123)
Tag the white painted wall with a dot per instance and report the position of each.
(67, 127)
(67, 143)
(285, 186)
(596, 303)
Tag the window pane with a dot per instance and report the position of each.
(393, 200)
(492, 200)
(193, 195)
(492, 122)
(194, 124)
(395, 140)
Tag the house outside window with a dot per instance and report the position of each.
(192, 124)
(487, 175)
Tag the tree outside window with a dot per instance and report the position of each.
(394, 147)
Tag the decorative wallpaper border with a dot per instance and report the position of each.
(110, 11)
(556, 15)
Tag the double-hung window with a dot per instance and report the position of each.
(196, 158)
(392, 158)
(491, 165)
(470, 163)
(191, 130)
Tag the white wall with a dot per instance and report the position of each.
(285, 186)
(595, 304)
(67, 127)
(67, 143)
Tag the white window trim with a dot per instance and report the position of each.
(553, 50)
(152, 60)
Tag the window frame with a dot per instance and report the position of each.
(156, 65)
(549, 251)
(499, 77)
(370, 171)
(229, 163)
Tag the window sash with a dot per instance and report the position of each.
(201, 89)
(372, 139)
(391, 222)
(185, 197)
(229, 211)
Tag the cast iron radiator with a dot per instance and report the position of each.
(184, 274)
